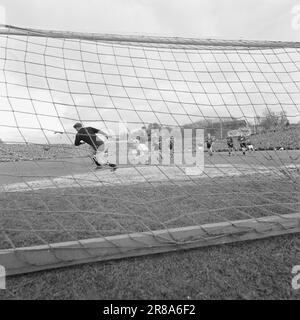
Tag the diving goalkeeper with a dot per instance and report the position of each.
(88, 135)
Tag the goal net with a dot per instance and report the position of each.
(232, 105)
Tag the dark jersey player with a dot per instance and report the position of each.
(243, 144)
(88, 135)
(209, 144)
(229, 141)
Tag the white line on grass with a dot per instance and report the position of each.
(127, 176)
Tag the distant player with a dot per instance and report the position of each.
(88, 135)
(209, 144)
(250, 145)
(171, 147)
(158, 146)
(142, 150)
(171, 143)
(243, 144)
(230, 144)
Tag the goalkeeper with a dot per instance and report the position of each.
(88, 135)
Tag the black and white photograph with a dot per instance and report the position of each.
(149, 151)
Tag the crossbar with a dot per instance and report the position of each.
(246, 44)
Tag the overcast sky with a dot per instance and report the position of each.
(224, 19)
(250, 19)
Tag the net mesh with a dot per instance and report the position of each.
(50, 191)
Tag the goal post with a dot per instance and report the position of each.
(157, 98)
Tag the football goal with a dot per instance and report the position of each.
(233, 105)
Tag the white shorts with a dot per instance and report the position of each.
(101, 154)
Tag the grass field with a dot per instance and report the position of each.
(250, 270)
(40, 210)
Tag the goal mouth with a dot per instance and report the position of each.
(63, 95)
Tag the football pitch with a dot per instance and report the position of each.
(50, 201)
(72, 172)
(61, 200)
